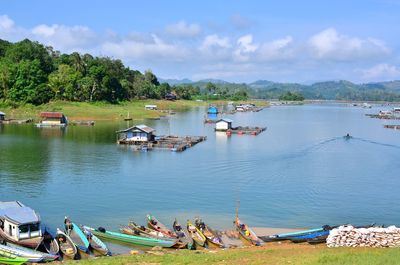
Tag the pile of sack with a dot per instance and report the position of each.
(349, 236)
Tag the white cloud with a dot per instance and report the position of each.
(279, 49)
(329, 44)
(240, 22)
(381, 72)
(183, 29)
(6, 23)
(155, 49)
(245, 47)
(215, 41)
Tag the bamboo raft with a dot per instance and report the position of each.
(169, 142)
(383, 117)
(389, 126)
(240, 130)
(14, 121)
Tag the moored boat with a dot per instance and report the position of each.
(213, 239)
(50, 243)
(183, 234)
(198, 238)
(153, 223)
(30, 254)
(67, 246)
(246, 234)
(20, 224)
(144, 231)
(12, 259)
(136, 240)
(98, 247)
(77, 236)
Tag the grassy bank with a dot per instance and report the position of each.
(272, 254)
(106, 111)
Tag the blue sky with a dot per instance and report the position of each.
(241, 41)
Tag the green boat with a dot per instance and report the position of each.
(12, 260)
(136, 240)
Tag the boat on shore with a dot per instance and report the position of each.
(10, 259)
(131, 239)
(136, 229)
(98, 247)
(77, 236)
(183, 234)
(50, 243)
(20, 224)
(198, 238)
(213, 239)
(246, 234)
(153, 223)
(31, 254)
(67, 246)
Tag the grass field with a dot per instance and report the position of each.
(271, 254)
(106, 111)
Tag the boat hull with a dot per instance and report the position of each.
(29, 242)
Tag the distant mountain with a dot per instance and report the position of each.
(172, 82)
(214, 81)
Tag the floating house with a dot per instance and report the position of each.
(20, 224)
(52, 119)
(138, 133)
(150, 107)
(223, 124)
(2, 116)
(170, 96)
(212, 110)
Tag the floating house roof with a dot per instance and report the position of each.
(51, 115)
(2, 113)
(140, 127)
(225, 120)
(18, 213)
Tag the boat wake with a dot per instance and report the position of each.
(376, 143)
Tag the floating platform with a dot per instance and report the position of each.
(82, 123)
(169, 142)
(14, 121)
(384, 117)
(243, 130)
(396, 127)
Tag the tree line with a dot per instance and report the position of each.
(33, 73)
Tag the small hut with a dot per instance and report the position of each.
(138, 133)
(223, 124)
(52, 119)
(2, 116)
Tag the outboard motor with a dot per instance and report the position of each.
(101, 229)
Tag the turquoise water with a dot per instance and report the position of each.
(301, 172)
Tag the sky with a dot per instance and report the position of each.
(235, 40)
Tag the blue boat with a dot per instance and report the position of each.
(212, 110)
(299, 235)
(77, 236)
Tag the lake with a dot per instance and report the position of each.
(300, 172)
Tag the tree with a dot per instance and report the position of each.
(64, 82)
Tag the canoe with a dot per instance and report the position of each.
(98, 247)
(144, 231)
(77, 236)
(67, 247)
(246, 234)
(31, 253)
(213, 240)
(136, 240)
(12, 260)
(307, 237)
(198, 238)
(10, 252)
(183, 234)
(153, 223)
(49, 243)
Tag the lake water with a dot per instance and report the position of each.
(301, 172)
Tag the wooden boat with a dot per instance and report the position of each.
(136, 240)
(98, 247)
(144, 231)
(287, 236)
(12, 260)
(19, 224)
(198, 238)
(77, 236)
(153, 223)
(49, 243)
(246, 234)
(183, 234)
(67, 247)
(311, 236)
(30, 254)
(213, 240)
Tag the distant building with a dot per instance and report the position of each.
(52, 119)
(212, 110)
(2, 116)
(150, 107)
(170, 96)
(138, 133)
(223, 124)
